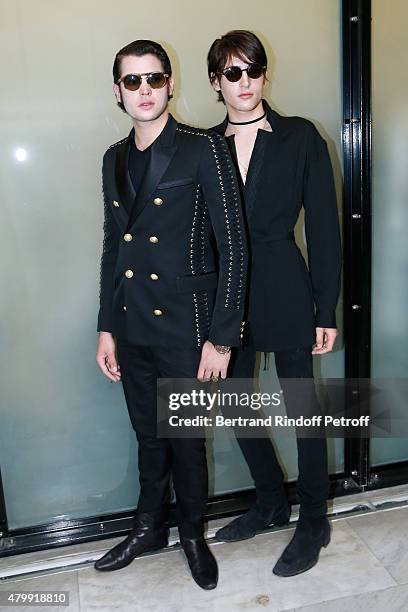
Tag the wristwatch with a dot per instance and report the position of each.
(221, 349)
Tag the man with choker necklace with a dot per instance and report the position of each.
(283, 164)
(172, 290)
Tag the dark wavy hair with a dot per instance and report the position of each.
(241, 43)
(139, 48)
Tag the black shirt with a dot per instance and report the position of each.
(138, 161)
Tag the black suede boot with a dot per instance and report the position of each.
(146, 536)
(254, 521)
(303, 550)
(202, 562)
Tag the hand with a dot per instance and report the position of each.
(105, 356)
(212, 364)
(325, 338)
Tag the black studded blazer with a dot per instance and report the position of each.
(173, 272)
(289, 169)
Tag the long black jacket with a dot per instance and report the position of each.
(290, 168)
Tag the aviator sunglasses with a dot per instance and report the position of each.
(132, 82)
(234, 73)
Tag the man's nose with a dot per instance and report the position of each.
(145, 88)
(245, 81)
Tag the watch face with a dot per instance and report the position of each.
(222, 349)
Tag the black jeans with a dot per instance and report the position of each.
(313, 478)
(185, 459)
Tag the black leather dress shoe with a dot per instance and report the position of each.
(146, 536)
(202, 563)
(303, 550)
(252, 522)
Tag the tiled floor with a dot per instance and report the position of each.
(365, 567)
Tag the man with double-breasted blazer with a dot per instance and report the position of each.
(172, 291)
(283, 165)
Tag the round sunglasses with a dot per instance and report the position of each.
(234, 73)
(132, 82)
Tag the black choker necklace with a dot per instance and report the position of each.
(246, 122)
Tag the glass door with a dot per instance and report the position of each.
(67, 450)
(390, 211)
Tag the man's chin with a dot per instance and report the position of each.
(246, 105)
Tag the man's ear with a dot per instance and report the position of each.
(170, 86)
(215, 81)
(117, 92)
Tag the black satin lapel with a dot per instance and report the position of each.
(123, 181)
(160, 158)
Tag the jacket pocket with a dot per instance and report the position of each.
(175, 183)
(197, 282)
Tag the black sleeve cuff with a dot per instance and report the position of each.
(326, 318)
(104, 322)
(226, 327)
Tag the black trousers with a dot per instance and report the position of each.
(313, 478)
(184, 459)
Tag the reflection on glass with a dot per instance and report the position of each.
(20, 154)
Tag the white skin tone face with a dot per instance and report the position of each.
(147, 106)
(243, 99)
